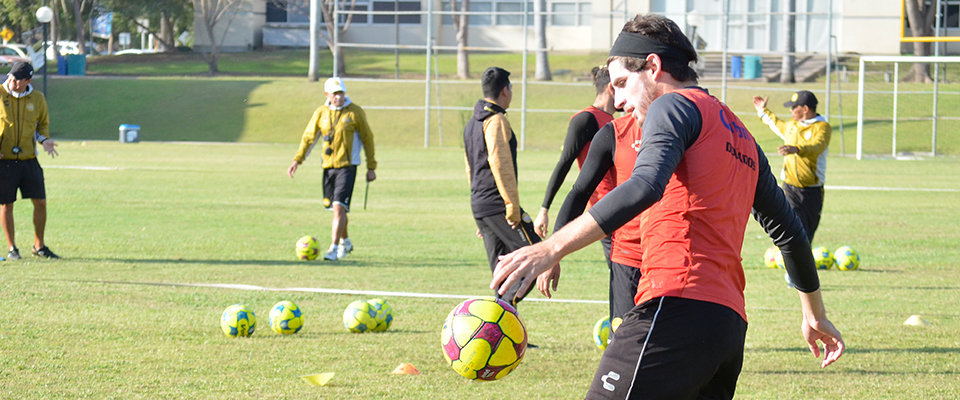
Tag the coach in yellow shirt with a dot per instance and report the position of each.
(805, 141)
(341, 129)
(25, 122)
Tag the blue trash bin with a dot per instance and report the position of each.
(736, 67)
(752, 67)
(76, 64)
(62, 65)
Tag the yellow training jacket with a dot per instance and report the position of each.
(24, 121)
(808, 167)
(341, 134)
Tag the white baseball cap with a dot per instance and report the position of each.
(334, 85)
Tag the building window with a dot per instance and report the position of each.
(288, 11)
(399, 6)
(564, 14)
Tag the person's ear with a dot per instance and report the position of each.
(655, 65)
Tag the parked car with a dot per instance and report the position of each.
(135, 51)
(66, 47)
(11, 53)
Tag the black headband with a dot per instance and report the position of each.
(631, 44)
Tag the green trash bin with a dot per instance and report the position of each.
(752, 67)
(76, 64)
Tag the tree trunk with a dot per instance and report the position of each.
(341, 63)
(214, 53)
(542, 72)
(920, 15)
(166, 33)
(463, 56)
(790, 44)
(78, 17)
(54, 32)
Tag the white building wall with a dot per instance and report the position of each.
(244, 29)
(870, 27)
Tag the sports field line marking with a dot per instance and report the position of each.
(84, 167)
(332, 291)
(889, 189)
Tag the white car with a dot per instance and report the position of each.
(11, 53)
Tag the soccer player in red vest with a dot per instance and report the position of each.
(698, 176)
(613, 153)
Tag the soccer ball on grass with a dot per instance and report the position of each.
(483, 338)
(360, 317)
(286, 318)
(770, 257)
(307, 248)
(602, 333)
(847, 258)
(822, 258)
(384, 316)
(238, 320)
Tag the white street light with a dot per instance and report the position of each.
(44, 14)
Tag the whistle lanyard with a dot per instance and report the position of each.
(18, 124)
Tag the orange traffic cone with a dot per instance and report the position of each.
(406, 369)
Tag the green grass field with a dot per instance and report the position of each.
(167, 213)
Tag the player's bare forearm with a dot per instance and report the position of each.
(816, 327)
(530, 261)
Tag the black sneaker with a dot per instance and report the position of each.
(14, 254)
(43, 252)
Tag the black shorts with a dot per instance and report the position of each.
(623, 290)
(25, 175)
(807, 203)
(499, 239)
(673, 348)
(338, 186)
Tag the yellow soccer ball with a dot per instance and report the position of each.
(823, 258)
(286, 318)
(384, 315)
(360, 317)
(847, 258)
(483, 339)
(602, 333)
(238, 320)
(770, 257)
(307, 248)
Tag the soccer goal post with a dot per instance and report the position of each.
(896, 92)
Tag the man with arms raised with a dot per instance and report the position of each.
(697, 176)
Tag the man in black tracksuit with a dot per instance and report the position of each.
(491, 155)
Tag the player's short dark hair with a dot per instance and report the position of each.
(664, 30)
(493, 81)
(601, 78)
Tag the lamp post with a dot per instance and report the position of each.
(44, 15)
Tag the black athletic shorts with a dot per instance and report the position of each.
(623, 291)
(338, 186)
(499, 239)
(25, 175)
(673, 349)
(807, 203)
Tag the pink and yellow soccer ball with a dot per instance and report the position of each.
(770, 257)
(307, 248)
(483, 339)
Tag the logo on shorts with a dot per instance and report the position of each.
(610, 375)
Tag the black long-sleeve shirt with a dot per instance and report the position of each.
(672, 124)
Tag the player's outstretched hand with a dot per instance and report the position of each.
(540, 224)
(549, 279)
(50, 147)
(292, 169)
(823, 331)
(760, 102)
(527, 262)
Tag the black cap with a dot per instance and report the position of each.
(21, 70)
(802, 98)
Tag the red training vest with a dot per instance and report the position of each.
(606, 185)
(626, 239)
(693, 236)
